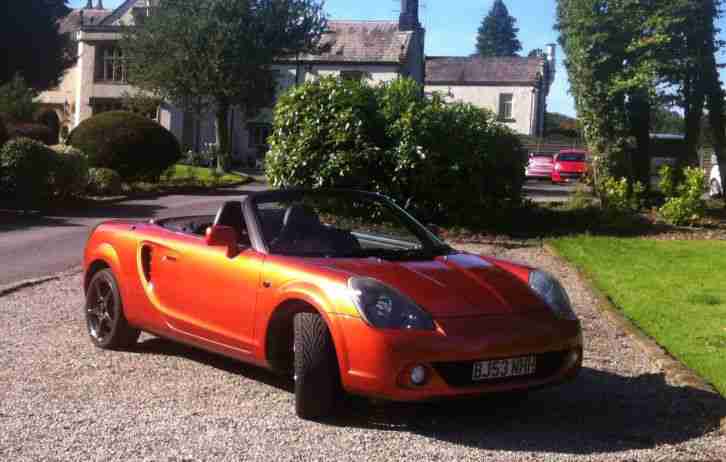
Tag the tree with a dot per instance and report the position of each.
(213, 55)
(498, 33)
(666, 120)
(32, 45)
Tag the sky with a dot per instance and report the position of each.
(451, 29)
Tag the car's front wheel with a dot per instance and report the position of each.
(105, 320)
(317, 377)
(715, 189)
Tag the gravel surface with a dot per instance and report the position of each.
(63, 399)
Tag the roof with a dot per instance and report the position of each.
(477, 70)
(72, 21)
(362, 42)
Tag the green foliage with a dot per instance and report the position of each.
(34, 131)
(134, 146)
(32, 46)
(450, 162)
(3, 132)
(69, 173)
(498, 33)
(620, 196)
(687, 205)
(17, 100)
(210, 56)
(103, 182)
(666, 120)
(668, 184)
(25, 170)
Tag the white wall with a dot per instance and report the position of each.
(524, 101)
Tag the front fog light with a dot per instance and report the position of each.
(418, 375)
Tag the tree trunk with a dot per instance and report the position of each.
(695, 99)
(639, 108)
(222, 129)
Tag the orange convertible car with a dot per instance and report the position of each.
(341, 290)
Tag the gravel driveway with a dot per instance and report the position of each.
(63, 399)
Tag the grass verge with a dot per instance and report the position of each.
(189, 177)
(673, 290)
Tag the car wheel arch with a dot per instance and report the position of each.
(279, 333)
(95, 266)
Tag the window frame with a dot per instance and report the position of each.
(506, 107)
(112, 66)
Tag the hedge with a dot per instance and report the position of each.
(25, 169)
(134, 146)
(69, 173)
(451, 163)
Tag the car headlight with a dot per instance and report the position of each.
(558, 167)
(552, 292)
(386, 308)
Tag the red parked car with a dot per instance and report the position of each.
(539, 166)
(569, 165)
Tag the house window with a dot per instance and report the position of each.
(257, 135)
(352, 75)
(505, 107)
(111, 65)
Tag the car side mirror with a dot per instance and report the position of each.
(222, 236)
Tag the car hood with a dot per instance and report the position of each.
(452, 286)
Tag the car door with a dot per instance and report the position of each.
(215, 293)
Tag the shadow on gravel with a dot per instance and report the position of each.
(160, 346)
(600, 412)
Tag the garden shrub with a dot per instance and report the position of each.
(17, 100)
(103, 182)
(34, 131)
(69, 173)
(685, 205)
(449, 162)
(620, 196)
(3, 132)
(25, 171)
(134, 146)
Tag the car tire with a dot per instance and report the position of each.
(317, 377)
(105, 320)
(715, 190)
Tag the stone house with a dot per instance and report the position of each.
(515, 88)
(377, 51)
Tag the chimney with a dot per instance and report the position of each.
(89, 5)
(409, 15)
(99, 5)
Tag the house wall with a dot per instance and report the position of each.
(525, 103)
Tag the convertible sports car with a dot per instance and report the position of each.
(342, 291)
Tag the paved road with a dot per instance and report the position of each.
(33, 245)
(544, 191)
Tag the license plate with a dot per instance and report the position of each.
(503, 368)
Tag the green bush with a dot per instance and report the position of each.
(34, 131)
(449, 162)
(687, 205)
(668, 184)
(17, 100)
(134, 146)
(3, 132)
(619, 196)
(103, 182)
(25, 171)
(69, 174)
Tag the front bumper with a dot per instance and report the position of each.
(562, 177)
(378, 363)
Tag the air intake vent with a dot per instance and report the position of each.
(146, 253)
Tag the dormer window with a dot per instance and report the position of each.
(111, 65)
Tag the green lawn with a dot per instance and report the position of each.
(186, 176)
(674, 290)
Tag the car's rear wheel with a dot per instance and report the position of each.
(317, 378)
(105, 320)
(715, 189)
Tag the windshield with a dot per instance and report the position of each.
(343, 225)
(571, 158)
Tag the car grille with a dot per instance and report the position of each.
(570, 175)
(458, 374)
